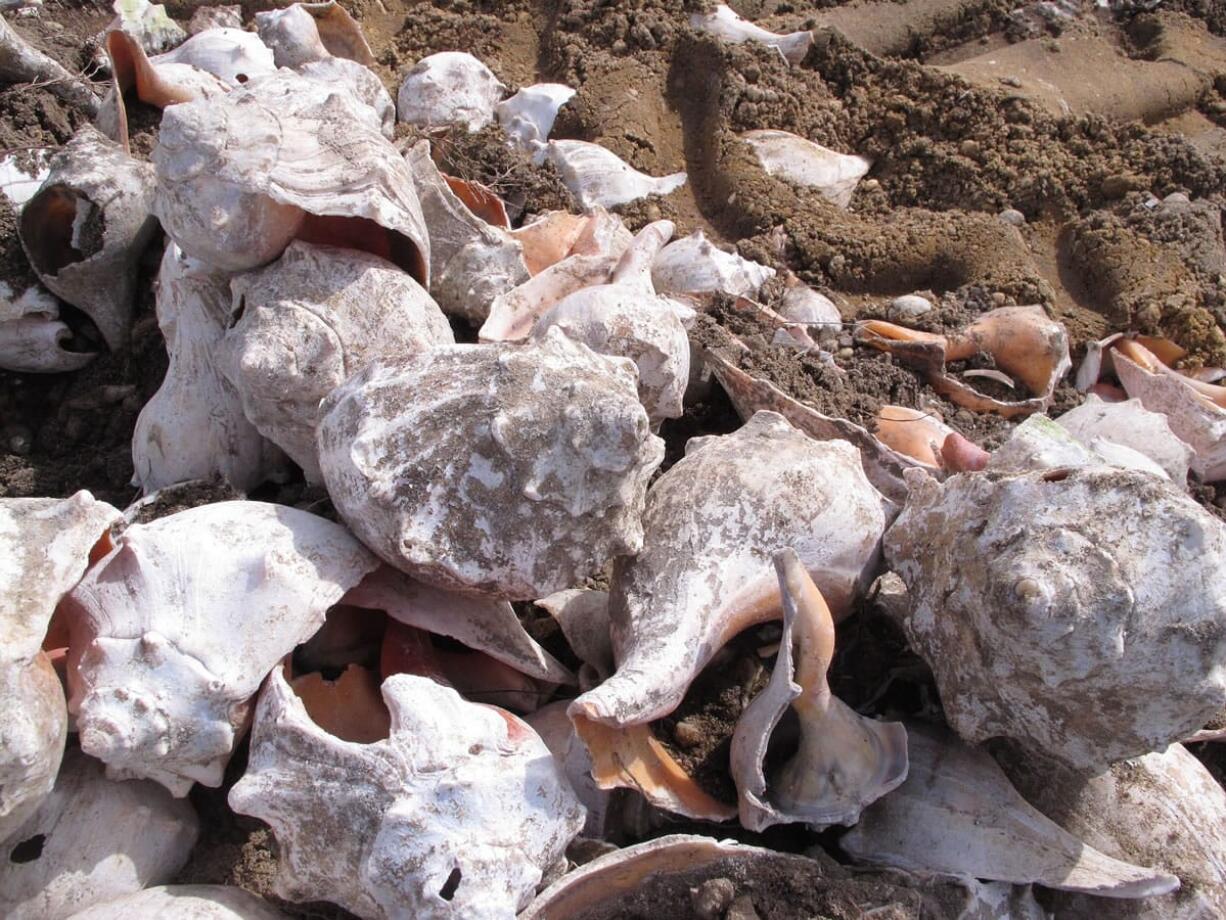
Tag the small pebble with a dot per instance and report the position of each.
(1176, 198)
(1011, 81)
(742, 909)
(999, 298)
(712, 897)
(909, 306)
(846, 353)
(1012, 216)
(687, 734)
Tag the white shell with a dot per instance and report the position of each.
(215, 17)
(232, 55)
(547, 454)
(908, 308)
(818, 313)
(725, 24)
(194, 427)
(101, 840)
(173, 631)
(835, 175)
(32, 336)
(457, 814)
(185, 902)
(449, 88)
(626, 319)
(85, 230)
(693, 265)
(558, 732)
(44, 549)
(1041, 444)
(1034, 593)
(362, 81)
(957, 814)
(471, 262)
(237, 176)
(309, 321)
(597, 176)
(528, 116)
(292, 35)
(711, 524)
(22, 175)
(1130, 424)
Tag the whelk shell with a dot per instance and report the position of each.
(449, 88)
(835, 175)
(457, 813)
(695, 266)
(1041, 444)
(164, 661)
(528, 116)
(185, 902)
(599, 177)
(549, 452)
(1130, 424)
(232, 55)
(725, 24)
(32, 337)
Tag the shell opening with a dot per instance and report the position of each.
(28, 850)
(61, 227)
(366, 236)
(447, 892)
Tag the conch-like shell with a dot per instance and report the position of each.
(363, 82)
(547, 449)
(695, 266)
(332, 31)
(835, 175)
(1034, 592)
(173, 631)
(309, 321)
(458, 813)
(185, 902)
(712, 523)
(45, 545)
(1041, 444)
(1022, 341)
(957, 814)
(32, 336)
(232, 55)
(449, 88)
(844, 761)
(91, 841)
(86, 228)
(528, 116)
(597, 176)
(1130, 424)
(918, 433)
(816, 312)
(627, 319)
(194, 427)
(472, 262)
(726, 25)
(285, 157)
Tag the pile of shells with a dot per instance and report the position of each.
(362, 680)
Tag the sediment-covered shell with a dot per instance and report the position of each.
(215, 17)
(1130, 424)
(816, 312)
(725, 24)
(175, 628)
(957, 814)
(694, 265)
(194, 426)
(306, 323)
(292, 35)
(32, 337)
(835, 175)
(185, 902)
(45, 545)
(458, 813)
(363, 82)
(547, 452)
(528, 116)
(711, 524)
(1032, 593)
(1041, 444)
(93, 840)
(285, 157)
(86, 228)
(449, 88)
(597, 176)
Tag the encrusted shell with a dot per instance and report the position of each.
(285, 156)
(835, 175)
(1034, 593)
(599, 177)
(185, 902)
(1040, 444)
(173, 631)
(86, 228)
(292, 35)
(726, 25)
(457, 814)
(194, 427)
(694, 265)
(363, 82)
(1130, 424)
(544, 453)
(307, 322)
(712, 523)
(93, 840)
(449, 88)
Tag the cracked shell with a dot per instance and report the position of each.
(545, 453)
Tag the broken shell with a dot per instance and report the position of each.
(164, 662)
(726, 25)
(293, 36)
(583, 617)
(194, 427)
(93, 840)
(626, 319)
(815, 312)
(285, 156)
(148, 23)
(32, 336)
(844, 761)
(86, 228)
(185, 902)
(349, 707)
(1034, 592)
(558, 732)
(550, 238)
(231, 55)
(835, 175)
(308, 321)
(528, 116)
(449, 88)
(549, 452)
(45, 545)
(957, 814)
(918, 433)
(340, 32)
(1041, 444)
(365, 85)
(694, 265)
(1021, 340)
(472, 262)
(597, 176)
(458, 813)
(711, 523)
(23, 172)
